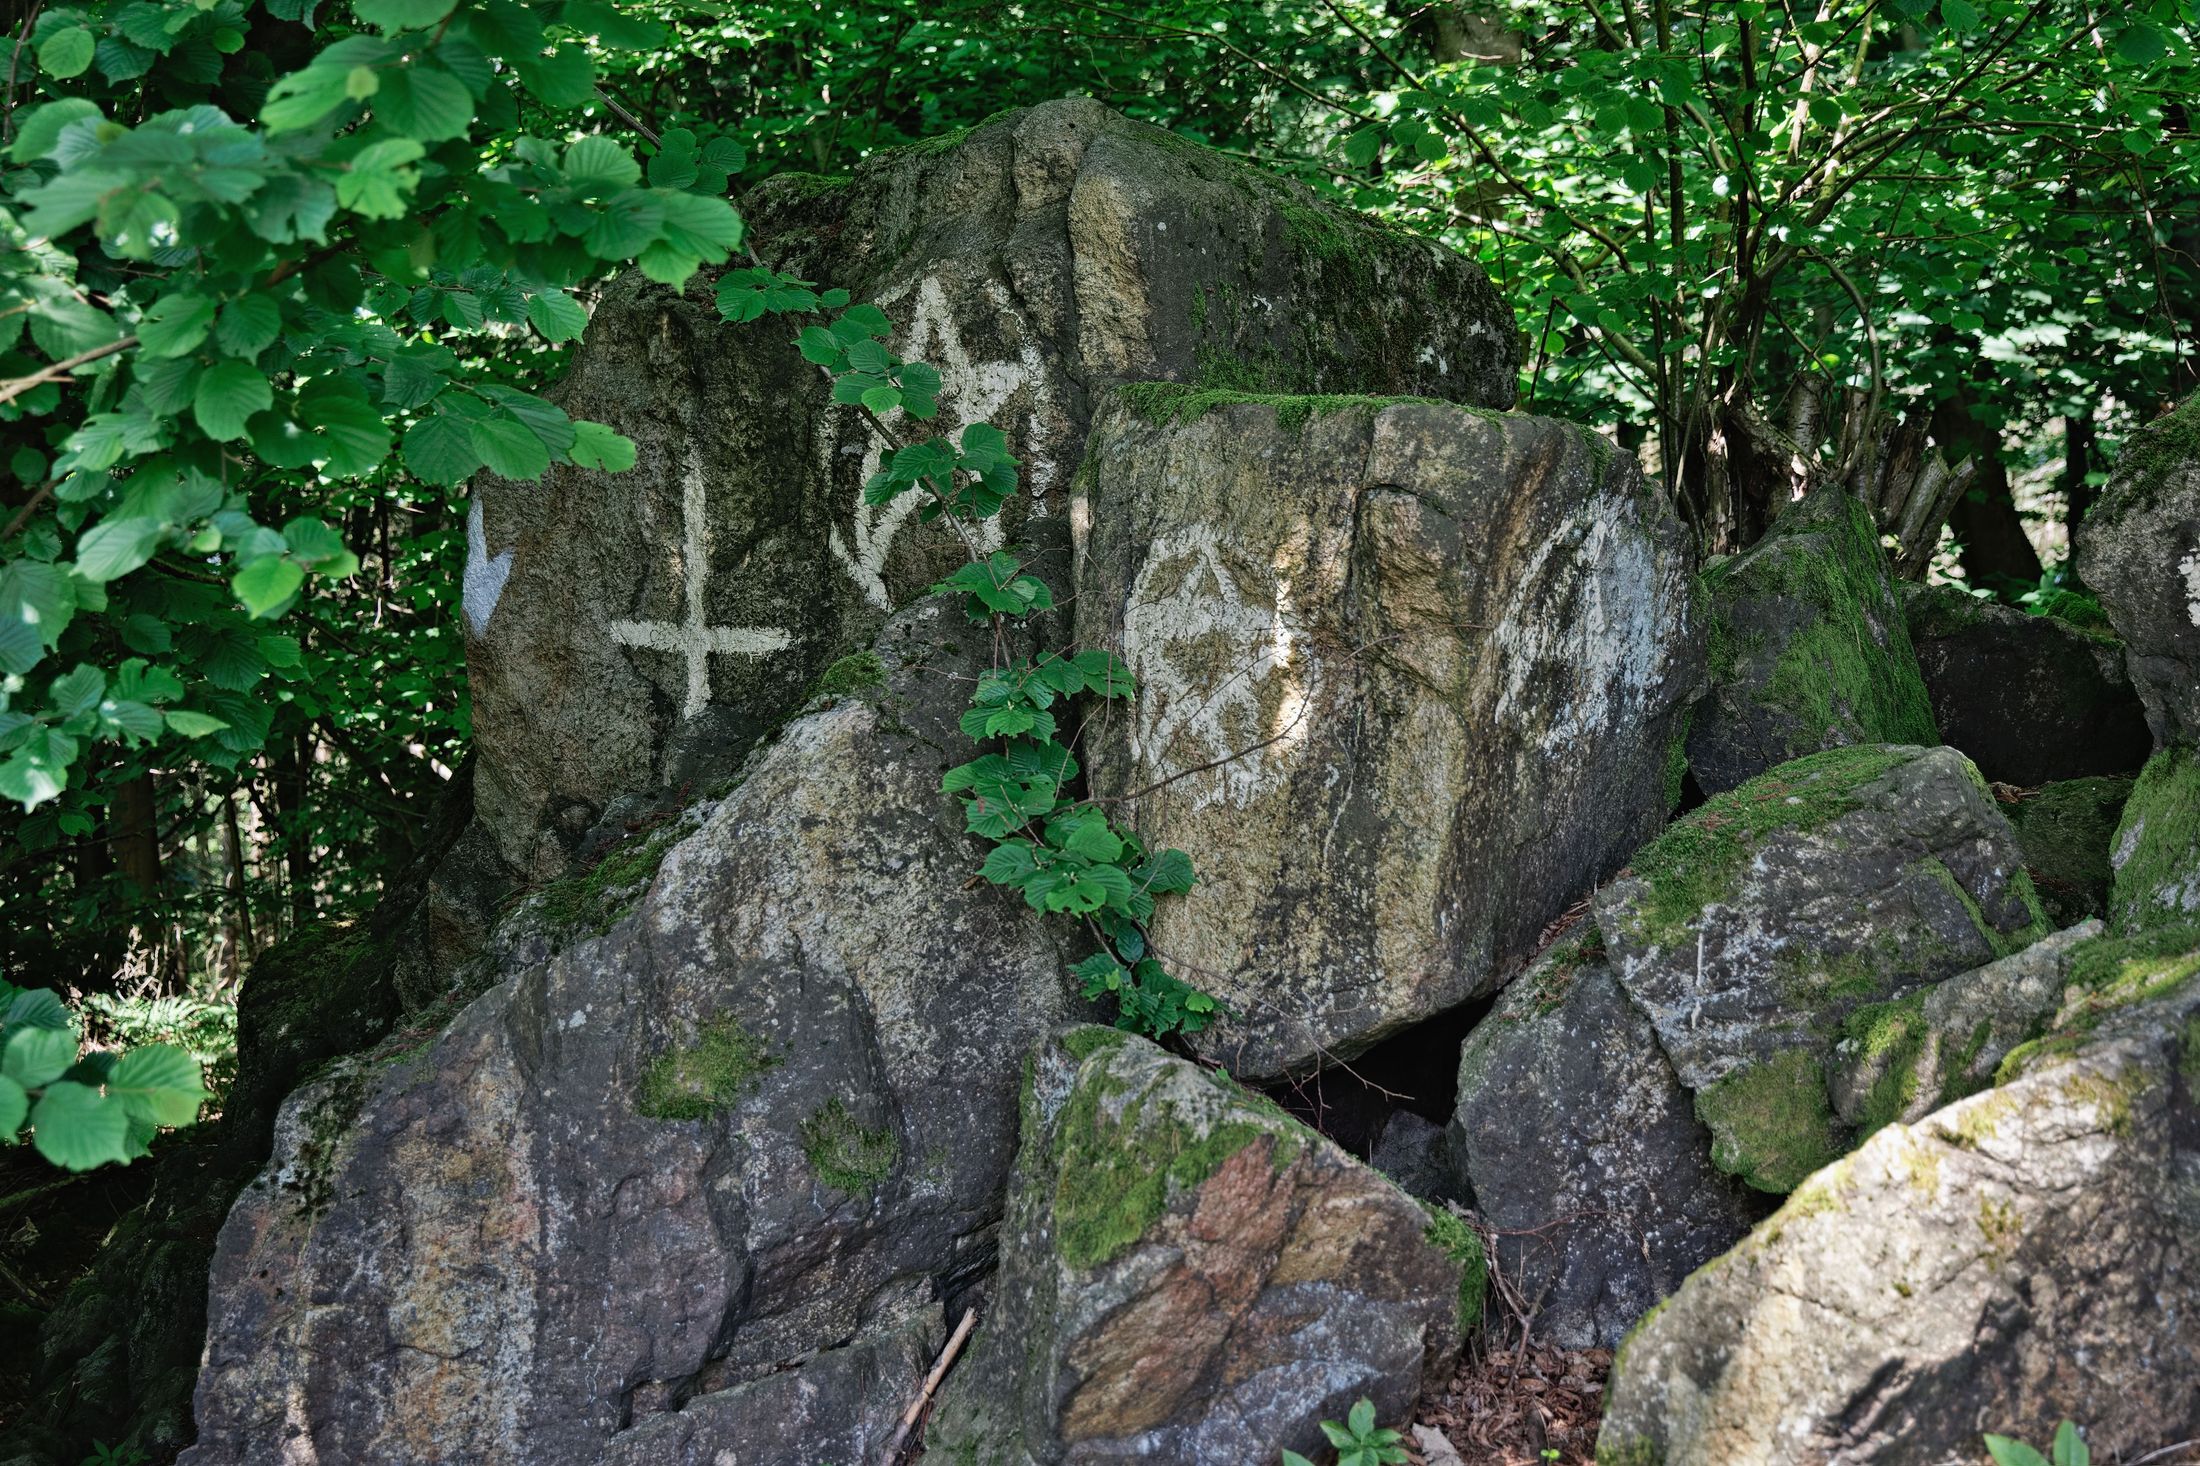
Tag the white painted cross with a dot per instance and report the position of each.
(979, 390)
(693, 636)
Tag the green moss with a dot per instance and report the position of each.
(2150, 456)
(2066, 831)
(1553, 974)
(1640, 1451)
(1088, 1039)
(2110, 1097)
(1676, 759)
(709, 1075)
(1956, 1081)
(845, 1155)
(2159, 837)
(1696, 860)
(1771, 1123)
(2000, 1227)
(853, 673)
(592, 902)
(1114, 1177)
(1847, 673)
(805, 186)
(1893, 1035)
(2106, 975)
(1450, 1235)
(1978, 1123)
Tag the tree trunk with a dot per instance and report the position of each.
(240, 908)
(132, 818)
(292, 767)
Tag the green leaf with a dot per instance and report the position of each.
(399, 15)
(187, 724)
(311, 542)
(175, 324)
(158, 1082)
(2141, 45)
(881, 399)
(509, 447)
(36, 1055)
(1960, 15)
(558, 316)
(423, 103)
(439, 449)
(248, 326)
(1362, 1418)
(76, 1127)
(265, 586)
(2070, 1447)
(14, 1106)
(228, 394)
(39, 129)
(66, 53)
(2007, 1452)
(375, 183)
(598, 447)
(597, 165)
(565, 78)
(113, 548)
(37, 1008)
(79, 691)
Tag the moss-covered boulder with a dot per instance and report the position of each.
(2156, 855)
(2029, 699)
(2023, 1256)
(630, 639)
(770, 1110)
(1189, 1275)
(2139, 550)
(2068, 832)
(1809, 648)
(1752, 929)
(1411, 677)
(1583, 1154)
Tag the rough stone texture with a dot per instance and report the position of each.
(119, 1353)
(2156, 856)
(1412, 1151)
(1036, 260)
(1357, 609)
(1905, 1059)
(2024, 1255)
(839, 1409)
(1751, 931)
(1809, 648)
(2067, 831)
(2029, 699)
(768, 1112)
(2139, 551)
(1582, 1152)
(1189, 1275)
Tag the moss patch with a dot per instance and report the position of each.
(2149, 457)
(707, 1076)
(1114, 1177)
(592, 902)
(1846, 673)
(2066, 831)
(856, 672)
(1696, 860)
(1771, 1123)
(1451, 1235)
(1892, 1035)
(2159, 841)
(845, 1155)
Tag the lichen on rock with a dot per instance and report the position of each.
(2156, 854)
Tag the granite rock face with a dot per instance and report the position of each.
(2139, 551)
(631, 637)
(751, 1121)
(2024, 1255)
(2030, 699)
(1581, 1150)
(1809, 648)
(1753, 931)
(1411, 683)
(1189, 1275)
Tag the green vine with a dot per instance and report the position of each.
(1061, 849)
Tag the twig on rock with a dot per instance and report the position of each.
(915, 1412)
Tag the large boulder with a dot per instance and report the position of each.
(2025, 1255)
(2029, 699)
(1583, 1154)
(2068, 831)
(1809, 647)
(637, 634)
(1189, 1275)
(2139, 551)
(1410, 684)
(769, 1111)
(1751, 930)
(2156, 856)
